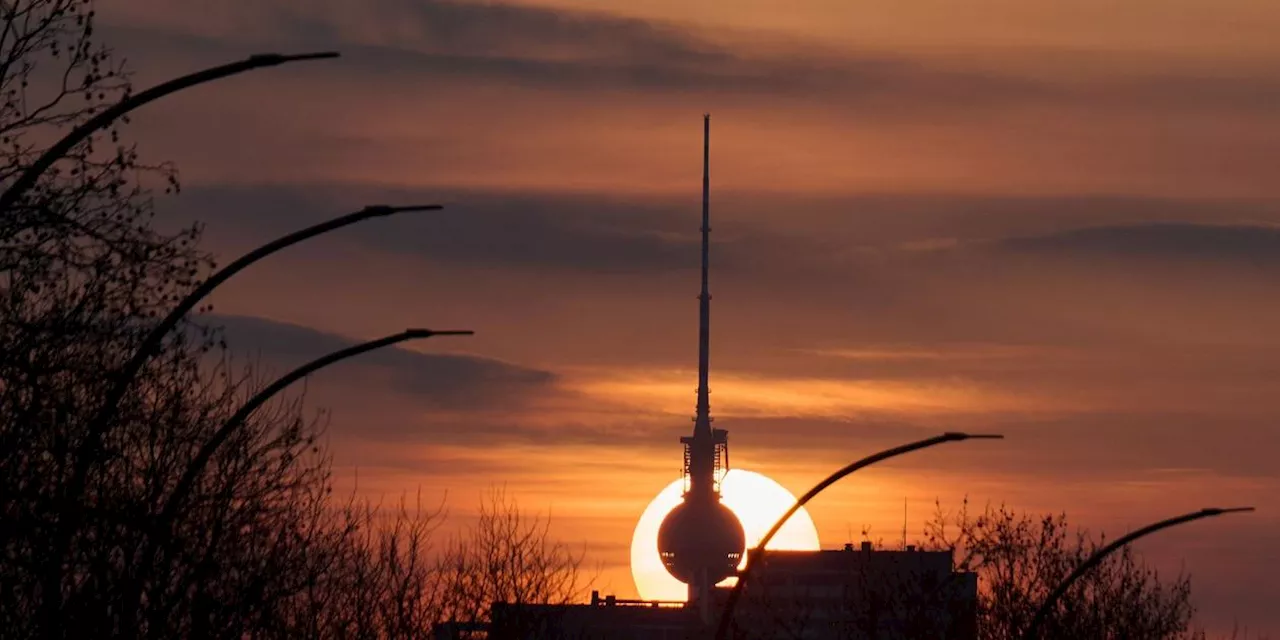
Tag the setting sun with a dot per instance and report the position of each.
(758, 502)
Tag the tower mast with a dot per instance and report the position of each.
(702, 421)
(706, 452)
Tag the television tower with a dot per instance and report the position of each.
(701, 541)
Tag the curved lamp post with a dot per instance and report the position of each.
(105, 117)
(723, 628)
(197, 465)
(99, 425)
(101, 422)
(1095, 559)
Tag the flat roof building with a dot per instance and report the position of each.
(859, 592)
(853, 593)
(602, 619)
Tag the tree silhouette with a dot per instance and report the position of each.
(258, 547)
(81, 272)
(506, 556)
(1019, 559)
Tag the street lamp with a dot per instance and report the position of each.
(1095, 559)
(727, 615)
(206, 452)
(105, 117)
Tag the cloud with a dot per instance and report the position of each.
(810, 397)
(589, 233)
(553, 48)
(578, 113)
(434, 380)
(878, 223)
(490, 29)
(1242, 245)
(567, 49)
(838, 282)
(844, 241)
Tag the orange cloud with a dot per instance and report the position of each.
(739, 395)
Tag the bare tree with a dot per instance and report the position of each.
(258, 548)
(370, 575)
(1019, 559)
(378, 574)
(507, 556)
(81, 273)
(1237, 633)
(239, 550)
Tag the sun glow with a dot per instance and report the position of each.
(757, 501)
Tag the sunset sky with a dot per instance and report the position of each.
(1056, 220)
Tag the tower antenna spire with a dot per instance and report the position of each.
(702, 421)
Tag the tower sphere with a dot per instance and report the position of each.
(698, 536)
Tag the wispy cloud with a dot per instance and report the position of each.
(1241, 245)
(755, 396)
(568, 49)
(435, 380)
(943, 352)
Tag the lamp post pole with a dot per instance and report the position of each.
(727, 615)
(1094, 560)
(55, 152)
(206, 452)
(102, 422)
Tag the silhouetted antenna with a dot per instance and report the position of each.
(703, 417)
(904, 523)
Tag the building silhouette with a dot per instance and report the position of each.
(854, 593)
(859, 593)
